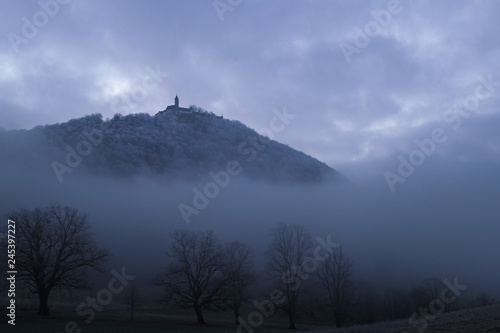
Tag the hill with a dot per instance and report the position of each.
(187, 145)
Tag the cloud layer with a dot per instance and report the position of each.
(409, 67)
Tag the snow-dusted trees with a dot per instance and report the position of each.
(176, 144)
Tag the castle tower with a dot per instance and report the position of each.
(176, 102)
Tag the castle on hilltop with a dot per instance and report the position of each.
(176, 109)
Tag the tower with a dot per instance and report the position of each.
(176, 102)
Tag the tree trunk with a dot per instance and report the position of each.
(199, 315)
(338, 319)
(43, 308)
(292, 322)
(236, 315)
(291, 312)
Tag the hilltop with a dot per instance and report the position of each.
(185, 143)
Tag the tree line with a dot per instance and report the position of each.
(55, 253)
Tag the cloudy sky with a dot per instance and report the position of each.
(364, 79)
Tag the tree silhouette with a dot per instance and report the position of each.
(238, 274)
(54, 250)
(335, 277)
(290, 244)
(194, 277)
(132, 299)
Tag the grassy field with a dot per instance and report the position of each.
(150, 321)
(486, 319)
(477, 320)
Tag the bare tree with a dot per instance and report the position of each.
(54, 251)
(238, 274)
(132, 299)
(194, 278)
(290, 244)
(335, 276)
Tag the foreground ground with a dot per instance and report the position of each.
(147, 321)
(478, 320)
(486, 319)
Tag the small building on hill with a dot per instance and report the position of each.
(192, 110)
(177, 108)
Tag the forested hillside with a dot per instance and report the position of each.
(177, 145)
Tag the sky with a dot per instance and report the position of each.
(362, 79)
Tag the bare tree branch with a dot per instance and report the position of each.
(335, 277)
(194, 277)
(290, 244)
(54, 250)
(238, 274)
